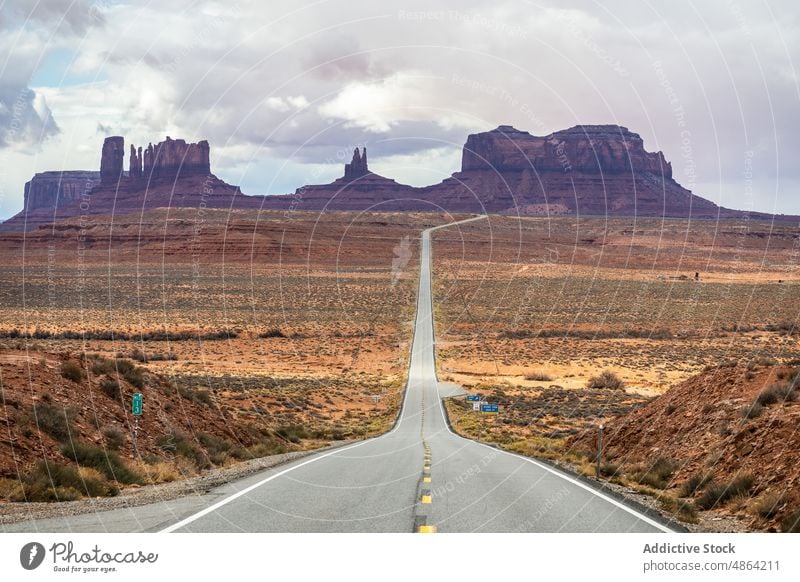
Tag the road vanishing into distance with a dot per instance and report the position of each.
(419, 477)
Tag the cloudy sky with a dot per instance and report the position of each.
(284, 89)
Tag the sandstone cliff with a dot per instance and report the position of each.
(48, 190)
(585, 170)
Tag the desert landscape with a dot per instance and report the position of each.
(251, 333)
(645, 326)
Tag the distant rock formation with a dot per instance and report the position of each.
(171, 173)
(600, 170)
(586, 169)
(49, 190)
(174, 157)
(358, 167)
(111, 159)
(135, 167)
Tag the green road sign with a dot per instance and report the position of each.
(138, 404)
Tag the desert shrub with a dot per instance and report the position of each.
(71, 370)
(791, 522)
(133, 374)
(10, 489)
(753, 410)
(51, 481)
(693, 484)
(769, 505)
(716, 495)
(658, 474)
(609, 470)
(198, 395)
(111, 388)
(179, 443)
(159, 472)
(218, 449)
(778, 392)
(539, 377)
(606, 379)
(273, 332)
(114, 437)
(292, 432)
(53, 419)
(107, 462)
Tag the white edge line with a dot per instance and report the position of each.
(547, 468)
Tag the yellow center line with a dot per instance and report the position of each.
(426, 499)
(426, 479)
(427, 529)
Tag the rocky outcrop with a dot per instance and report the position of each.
(174, 158)
(359, 189)
(596, 170)
(358, 167)
(48, 190)
(586, 170)
(172, 173)
(111, 159)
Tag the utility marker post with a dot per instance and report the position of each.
(137, 407)
(599, 450)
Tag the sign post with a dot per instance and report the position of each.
(137, 406)
(599, 451)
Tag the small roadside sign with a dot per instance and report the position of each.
(473, 397)
(137, 404)
(476, 406)
(490, 408)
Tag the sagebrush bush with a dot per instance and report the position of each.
(111, 388)
(54, 419)
(693, 484)
(114, 437)
(107, 462)
(791, 522)
(769, 505)
(72, 370)
(606, 379)
(718, 494)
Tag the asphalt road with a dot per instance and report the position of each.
(418, 477)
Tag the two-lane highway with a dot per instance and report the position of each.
(418, 477)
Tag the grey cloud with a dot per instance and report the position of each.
(58, 16)
(21, 121)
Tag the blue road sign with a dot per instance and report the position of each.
(490, 408)
(473, 397)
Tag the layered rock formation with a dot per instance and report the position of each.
(358, 189)
(588, 170)
(585, 170)
(172, 173)
(48, 190)
(111, 159)
(174, 158)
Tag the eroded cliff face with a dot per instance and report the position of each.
(48, 190)
(172, 173)
(596, 170)
(589, 170)
(590, 148)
